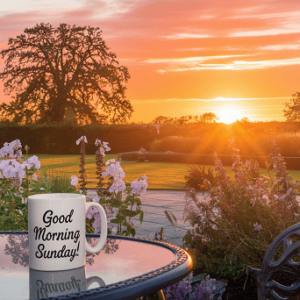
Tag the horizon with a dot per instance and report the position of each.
(186, 57)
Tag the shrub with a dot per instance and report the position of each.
(52, 183)
(287, 142)
(175, 144)
(16, 173)
(198, 179)
(235, 225)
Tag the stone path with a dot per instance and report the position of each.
(154, 203)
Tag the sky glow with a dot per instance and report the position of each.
(186, 56)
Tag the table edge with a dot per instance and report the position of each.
(143, 284)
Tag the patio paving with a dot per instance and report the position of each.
(154, 204)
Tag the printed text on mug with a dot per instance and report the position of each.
(41, 233)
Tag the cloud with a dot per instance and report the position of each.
(271, 31)
(179, 36)
(237, 65)
(27, 6)
(268, 20)
(190, 60)
(217, 99)
(101, 8)
(280, 47)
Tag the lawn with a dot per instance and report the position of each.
(165, 176)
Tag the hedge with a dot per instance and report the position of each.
(293, 163)
(61, 138)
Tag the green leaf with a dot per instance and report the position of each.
(118, 220)
(132, 231)
(138, 201)
(129, 213)
(141, 218)
(129, 198)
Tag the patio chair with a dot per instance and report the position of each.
(279, 277)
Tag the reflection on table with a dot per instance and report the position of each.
(57, 283)
(126, 267)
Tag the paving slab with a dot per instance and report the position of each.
(154, 204)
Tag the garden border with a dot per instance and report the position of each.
(293, 163)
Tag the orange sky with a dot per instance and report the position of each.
(183, 54)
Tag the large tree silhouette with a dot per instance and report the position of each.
(50, 70)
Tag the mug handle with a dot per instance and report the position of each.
(103, 235)
(93, 279)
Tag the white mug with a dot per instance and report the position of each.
(56, 231)
(52, 284)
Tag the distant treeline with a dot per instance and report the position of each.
(251, 138)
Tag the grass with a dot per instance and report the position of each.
(164, 176)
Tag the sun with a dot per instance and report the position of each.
(229, 115)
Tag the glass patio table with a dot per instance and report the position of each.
(126, 268)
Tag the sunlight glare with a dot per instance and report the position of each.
(229, 115)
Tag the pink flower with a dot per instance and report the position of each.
(257, 226)
(74, 180)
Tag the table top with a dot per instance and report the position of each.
(126, 268)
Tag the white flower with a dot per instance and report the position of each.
(34, 160)
(12, 149)
(97, 142)
(10, 171)
(110, 161)
(257, 226)
(103, 146)
(102, 151)
(117, 186)
(139, 186)
(83, 138)
(135, 187)
(22, 174)
(97, 223)
(4, 163)
(96, 199)
(74, 180)
(91, 212)
(106, 147)
(114, 170)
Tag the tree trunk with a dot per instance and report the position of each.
(57, 113)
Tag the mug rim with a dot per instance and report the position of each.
(55, 196)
